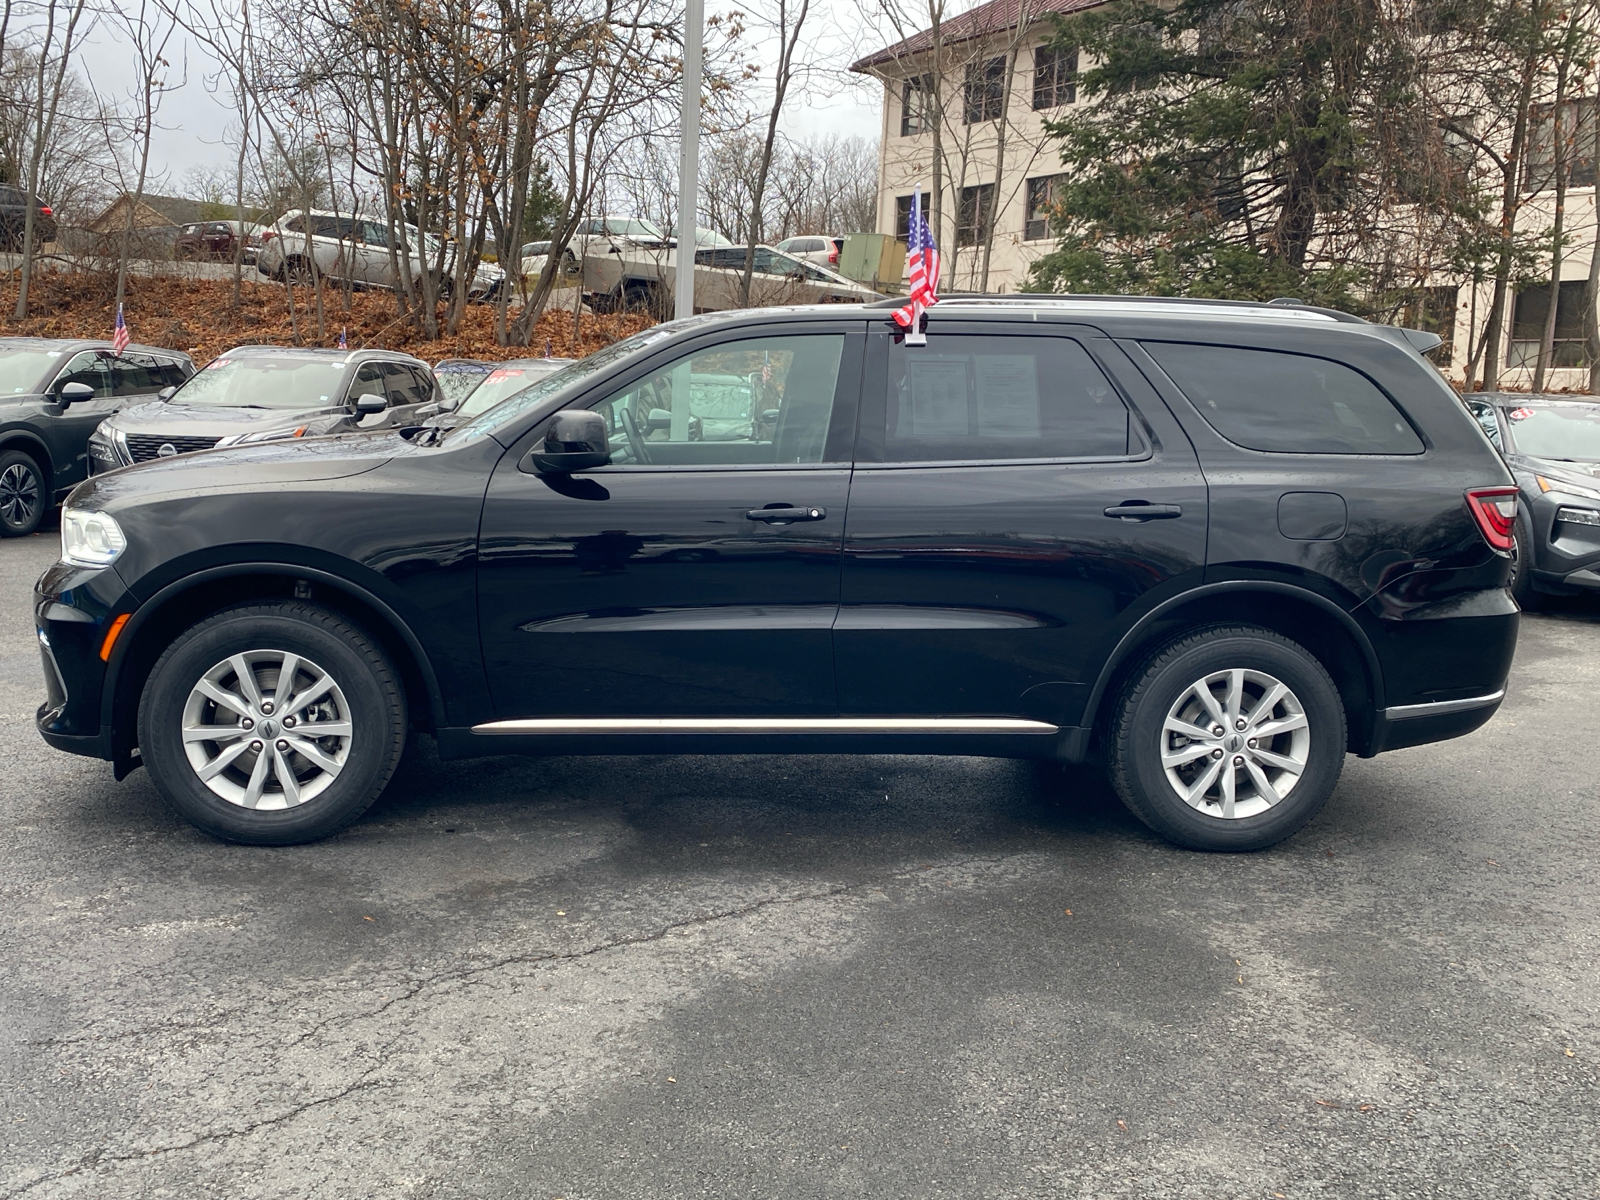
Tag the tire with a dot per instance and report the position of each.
(23, 497)
(1528, 598)
(298, 272)
(1165, 687)
(365, 710)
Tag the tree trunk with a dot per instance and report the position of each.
(1510, 204)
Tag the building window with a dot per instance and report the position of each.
(1044, 193)
(1055, 77)
(1527, 326)
(977, 215)
(902, 217)
(916, 105)
(1434, 309)
(1570, 128)
(985, 90)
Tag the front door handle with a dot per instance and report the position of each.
(1139, 511)
(783, 514)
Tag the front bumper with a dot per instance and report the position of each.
(73, 610)
(1566, 537)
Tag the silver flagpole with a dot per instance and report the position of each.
(689, 158)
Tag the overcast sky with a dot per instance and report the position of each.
(192, 120)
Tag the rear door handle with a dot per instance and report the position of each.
(1145, 512)
(783, 514)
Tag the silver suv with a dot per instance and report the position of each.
(356, 249)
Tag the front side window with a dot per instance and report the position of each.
(992, 398)
(1043, 197)
(1286, 403)
(404, 385)
(759, 401)
(985, 90)
(1055, 77)
(90, 368)
(1484, 415)
(368, 382)
(136, 375)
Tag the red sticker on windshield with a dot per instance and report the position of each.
(216, 362)
(496, 376)
(1521, 414)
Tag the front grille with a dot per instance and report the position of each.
(144, 446)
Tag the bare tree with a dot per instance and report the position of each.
(788, 19)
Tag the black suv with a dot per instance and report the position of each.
(1213, 546)
(53, 392)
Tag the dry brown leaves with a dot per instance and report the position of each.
(199, 316)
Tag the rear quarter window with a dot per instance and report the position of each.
(1286, 403)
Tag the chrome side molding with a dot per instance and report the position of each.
(766, 725)
(1439, 708)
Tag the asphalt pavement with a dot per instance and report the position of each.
(770, 977)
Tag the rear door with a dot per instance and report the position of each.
(1020, 497)
(691, 577)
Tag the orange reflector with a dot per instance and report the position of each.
(111, 636)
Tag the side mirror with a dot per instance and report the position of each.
(369, 404)
(770, 416)
(166, 393)
(659, 418)
(74, 393)
(575, 441)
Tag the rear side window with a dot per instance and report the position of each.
(1286, 403)
(987, 398)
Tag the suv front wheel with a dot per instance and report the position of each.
(272, 724)
(1230, 738)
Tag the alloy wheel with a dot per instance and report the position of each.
(19, 494)
(267, 729)
(1235, 743)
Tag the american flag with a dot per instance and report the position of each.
(766, 366)
(119, 339)
(343, 342)
(922, 265)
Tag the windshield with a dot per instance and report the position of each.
(288, 382)
(1569, 432)
(507, 381)
(21, 370)
(530, 397)
(458, 382)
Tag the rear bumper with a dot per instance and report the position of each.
(1439, 721)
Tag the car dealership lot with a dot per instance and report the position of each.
(767, 976)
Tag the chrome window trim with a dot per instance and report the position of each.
(766, 725)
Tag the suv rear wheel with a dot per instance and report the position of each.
(22, 494)
(272, 724)
(1230, 738)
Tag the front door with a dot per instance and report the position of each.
(1013, 509)
(698, 574)
(70, 431)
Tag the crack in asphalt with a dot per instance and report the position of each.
(468, 973)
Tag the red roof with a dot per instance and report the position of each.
(993, 17)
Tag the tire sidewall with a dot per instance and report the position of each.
(377, 735)
(9, 459)
(1159, 687)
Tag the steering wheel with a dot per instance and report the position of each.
(635, 443)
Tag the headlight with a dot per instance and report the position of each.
(100, 448)
(90, 539)
(1570, 489)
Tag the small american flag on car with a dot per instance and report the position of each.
(119, 338)
(922, 265)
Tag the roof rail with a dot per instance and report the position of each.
(1004, 298)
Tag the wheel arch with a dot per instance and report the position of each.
(176, 607)
(22, 439)
(1314, 621)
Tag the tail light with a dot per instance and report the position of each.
(1495, 510)
(44, 210)
(833, 254)
(267, 235)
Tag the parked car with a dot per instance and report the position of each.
(812, 248)
(53, 392)
(216, 241)
(14, 218)
(504, 379)
(1552, 445)
(356, 249)
(1215, 546)
(534, 256)
(268, 393)
(643, 280)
